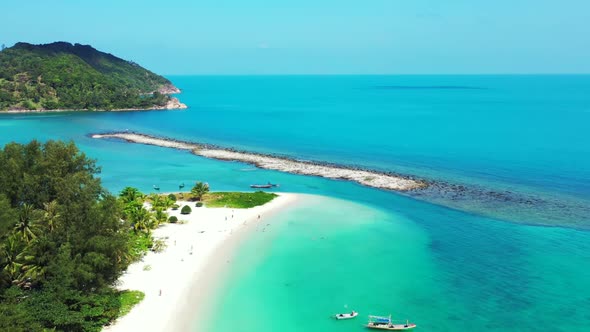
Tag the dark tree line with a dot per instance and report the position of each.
(62, 240)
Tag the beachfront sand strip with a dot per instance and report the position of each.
(177, 282)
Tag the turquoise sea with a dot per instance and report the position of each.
(508, 154)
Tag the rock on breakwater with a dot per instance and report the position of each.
(529, 208)
(365, 177)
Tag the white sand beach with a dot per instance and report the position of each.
(170, 279)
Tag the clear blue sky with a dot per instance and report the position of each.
(317, 36)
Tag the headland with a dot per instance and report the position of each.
(61, 76)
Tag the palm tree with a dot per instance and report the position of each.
(157, 201)
(32, 268)
(130, 194)
(130, 209)
(143, 220)
(50, 215)
(12, 254)
(167, 202)
(199, 190)
(26, 226)
(160, 216)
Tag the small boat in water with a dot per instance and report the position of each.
(260, 186)
(348, 315)
(265, 186)
(385, 323)
(156, 187)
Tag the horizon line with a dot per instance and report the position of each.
(392, 74)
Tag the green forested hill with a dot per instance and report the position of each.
(72, 76)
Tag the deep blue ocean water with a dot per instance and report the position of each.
(463, 264)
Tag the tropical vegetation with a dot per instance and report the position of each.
(64, 240)
(143, 214)
(238, 200)
(185, 210)
(77, 77)
(128, 299)
(199, 190)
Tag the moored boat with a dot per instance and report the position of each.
(260, 186)
(347, 315)
(385, 323)
(268, 185)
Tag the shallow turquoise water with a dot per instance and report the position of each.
(443, 268)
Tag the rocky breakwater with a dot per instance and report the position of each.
(365, 177)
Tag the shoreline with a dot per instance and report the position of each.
(179, 281)
(205, 291)
(370, 178)
(174, 104)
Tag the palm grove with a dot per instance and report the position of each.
(64, 240)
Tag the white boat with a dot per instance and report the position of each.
(347, 315)
(385, 323)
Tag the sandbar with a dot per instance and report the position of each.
(170, 279)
